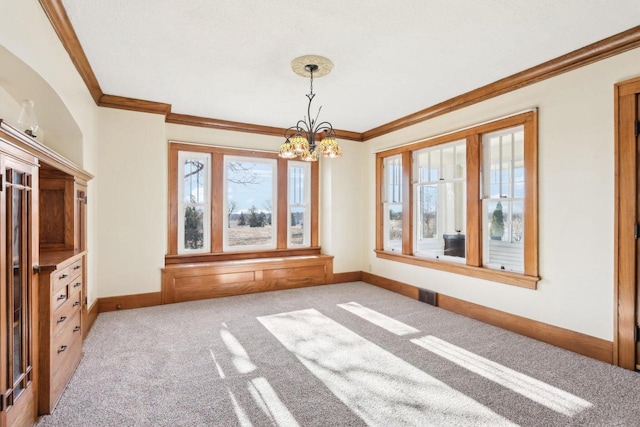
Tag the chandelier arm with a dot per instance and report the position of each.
(325, 126)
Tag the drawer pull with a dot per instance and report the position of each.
(75, 304)
(62, 348)
(77, 267)
(76, 329)
(63, 276)
(77, 284)
(61, 297)
(61, 319)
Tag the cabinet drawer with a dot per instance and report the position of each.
(75, 286)
(64, 342)
(59, 297)
(59, 278)
(64, 314)
(75, 268)
(64, 362)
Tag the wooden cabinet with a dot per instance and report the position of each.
(60, 327)
(42, 275)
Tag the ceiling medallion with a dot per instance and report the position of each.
(300, 140)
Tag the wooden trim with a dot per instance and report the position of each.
(351, 276)
(315, 204)
(379, 207)
(577, 342)
(217, 203)
(515, 279)
(626, 216)
(594, 52)
(126, 302)
(407, 204)
(391, 285)
(282, 195)
(92, 315)
(474, 202)
(172, 224)
(234, 256)
(132, 104)
(55, 11)
(26, 144)
(207, 122)
(531, 267)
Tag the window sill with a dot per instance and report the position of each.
(232, 256)
(515, 279)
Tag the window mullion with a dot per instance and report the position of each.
(217, 201)
(407, 204)
(474, 202)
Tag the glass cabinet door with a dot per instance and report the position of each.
(17, 292)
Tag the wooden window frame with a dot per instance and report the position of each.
(217, 206)
(474, 233)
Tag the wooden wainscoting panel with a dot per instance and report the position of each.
(189, 282)
(126, 302)
(577, 342)
(350, 276)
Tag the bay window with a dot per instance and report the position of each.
(227, 204)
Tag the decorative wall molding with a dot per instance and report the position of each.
(610, 46)
(594, 52)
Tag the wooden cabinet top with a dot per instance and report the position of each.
(54, 260)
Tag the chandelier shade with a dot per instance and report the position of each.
(300, 140)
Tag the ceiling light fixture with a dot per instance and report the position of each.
(300, 140)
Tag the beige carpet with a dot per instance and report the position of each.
(339, 355)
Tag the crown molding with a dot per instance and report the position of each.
(123, 103)
(206, 122)
(60, 22)
(594, 52)
(606, 48)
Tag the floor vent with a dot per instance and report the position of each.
(427, 296)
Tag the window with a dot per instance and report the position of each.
(299, 175)
(226, 203)
(249, 187)
(440, 201)
(392, 210)
(194, 204)
(503, 197)
(473, 208)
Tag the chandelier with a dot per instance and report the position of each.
(300, 140)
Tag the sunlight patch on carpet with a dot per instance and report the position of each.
(243, 419)
(240, 358)
(215, 361)
(392, 325)
(538, 391)
(378, 386)
(267, 399)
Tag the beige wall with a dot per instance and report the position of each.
(128, 198)
(132, 159)
(576, 211)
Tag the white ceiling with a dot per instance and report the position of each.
(230, 59)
